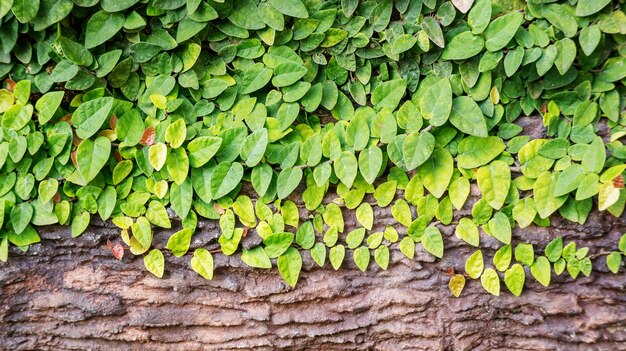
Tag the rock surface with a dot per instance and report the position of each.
(69, 294)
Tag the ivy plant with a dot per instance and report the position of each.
(275, 118)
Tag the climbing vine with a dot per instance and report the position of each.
(251, 112)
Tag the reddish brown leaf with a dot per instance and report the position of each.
(73, 154)
(118, 251)
(245, 231)
(10, 84)
(113, 121)
(544, 108)
(148, 136)
(76, 140)
(218, 208)
(67, 118)
(57, 198)
(450, 271)
(109, 244)
(118, 156)
(618, 181)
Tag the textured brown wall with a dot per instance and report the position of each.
(72, 294)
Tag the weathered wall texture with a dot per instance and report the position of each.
(72, 294)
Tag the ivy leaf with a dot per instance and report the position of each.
(417, 149)
(407, 247)
(467, 117)
(47, 105)
(467, 231)
(288, 181)
(91, 156)
(475, 151)
(289, 266)
(318, 254)
(614, 261)
(346, 168)
(540, 269)
(456, 284)
(292, 8)
(500, 227)
(436, 103)
(501, 30)
(589, 7)
(225, 178)
(101, 27)
(361, 257)
(256, 258)
(158, 155)
(179, 242)
(381, 256)
(91, 115)
(437, 172)
(155, 262)
(370, 163)
(514, 279)
(336, 256)
(474, 265)
(388, 94)
(202, 263)
(502, 258)
(491, 281)
(433, 241)
(463, 46)
(494, 181)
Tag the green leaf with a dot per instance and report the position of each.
(91, 115)
(436, 103)
(417, 148)
(474, 265)
(175, 133)
(388, 94)
(467, 231)
(500, 227)
(361, 257)
(479, 16)
(155, 262)
(614, 261)
(276, 244)
(566, 53)
(589, 7)
(291, 8)
(370, 163)
(25, 10)
(541, 270)
(225, 178)
(437, 172)
(475, 151)
(254, 78)
(491, 281)
(256, 258)
(502, 258)
(381, 256)
(433, 31)
(456, 284)
(525, 254)
(179, 242)
(355, 238)
(51, 12)
(501, 30)
(433, 241)
(202, 263)
(305, 236)
(365, 215)
(178, 165)
(288, 181)
(407, 247)
(402, 212)
(346, 168)
(463, 46)
(157, 215)
(543, 192)
(289, 266)
(101, 27)
(467, 117)
(514, 279)
(336, 256)
(91, 156)
(47, 105)
(318, 253)
(494, 181)
(158, 155)
(202, 149)
(287, 73)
